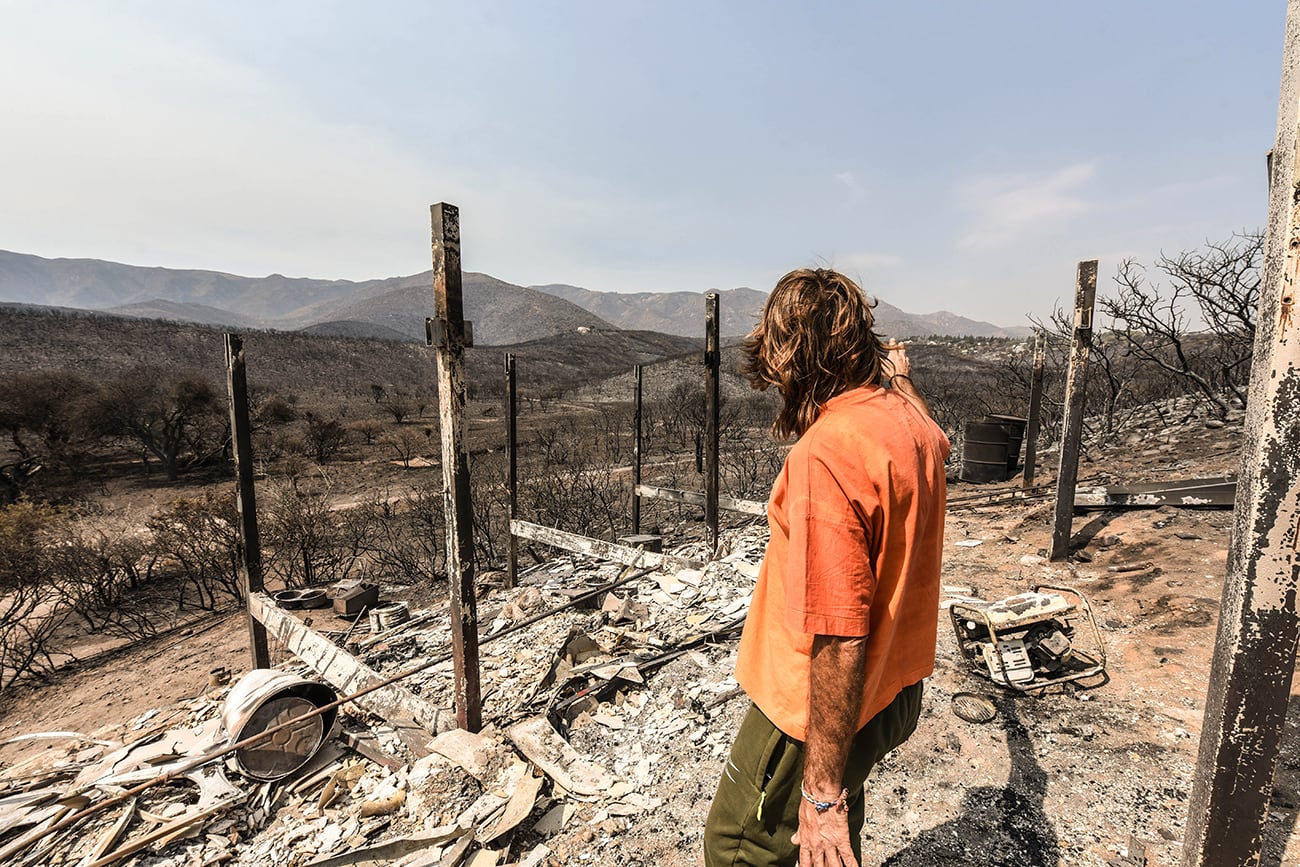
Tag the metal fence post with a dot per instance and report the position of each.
(246, 498)
(1259, 624)
(712, 363)
(1085, 295)
(636, 454)
(512, 462)
(448, 332)
(1035, 409)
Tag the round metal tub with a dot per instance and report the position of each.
(984, 453)
(267, 697)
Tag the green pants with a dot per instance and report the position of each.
(756, 808)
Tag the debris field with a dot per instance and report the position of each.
(607, 722)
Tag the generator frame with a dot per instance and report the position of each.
(1093, 660)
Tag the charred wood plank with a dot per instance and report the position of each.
(695, 498)
(599, 548)
(341, 669)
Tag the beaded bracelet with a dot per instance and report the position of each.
(840, 804)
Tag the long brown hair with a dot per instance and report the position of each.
(814, 341)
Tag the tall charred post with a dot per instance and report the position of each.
(1035, 409)
(636, 453)
(448, 331)
(1259, 625)
(1085, 296)
(246, 496)
(512, 467)
(712, 410)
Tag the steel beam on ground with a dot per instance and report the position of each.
(712, 412)
(448, 331)
(1067, 475)
(599, 548)
(1035, 410)
(1259, 622)
(246, 495)
(697, 498)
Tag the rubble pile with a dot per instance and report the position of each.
(372, 793)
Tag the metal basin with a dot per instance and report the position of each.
(267, 697)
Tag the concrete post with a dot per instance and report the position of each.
(1259, 625)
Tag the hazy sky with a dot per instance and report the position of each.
(952, 155)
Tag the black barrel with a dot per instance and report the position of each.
(984, 452)
(1015, 426)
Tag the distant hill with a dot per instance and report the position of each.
(683, 313)
(98, 285)
(502, 313)
(669, 312)
(174, 311)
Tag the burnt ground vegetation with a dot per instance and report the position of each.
(118, 521)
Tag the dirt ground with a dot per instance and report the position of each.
(1075, 776)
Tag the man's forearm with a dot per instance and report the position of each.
(838, 669)
(903, 384)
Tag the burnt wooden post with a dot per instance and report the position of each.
(246, 497)
(636, 454)
(712, 362)
(448, 331)
(1035, 409)
(512, 443)
(1085, 295)
(1254, 652)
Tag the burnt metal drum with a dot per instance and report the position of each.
(265, 698)
(985, 448)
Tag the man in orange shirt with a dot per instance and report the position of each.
(842, 626)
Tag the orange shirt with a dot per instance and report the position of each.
(856, 520)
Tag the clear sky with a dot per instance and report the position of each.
(952, 155)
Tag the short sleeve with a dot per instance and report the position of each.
(829, 577)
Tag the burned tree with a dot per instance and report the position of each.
(175, 417)
(1218, 284)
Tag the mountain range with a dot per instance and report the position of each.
(395, 308)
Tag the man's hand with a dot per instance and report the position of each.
(896, 362)
(823, 838)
